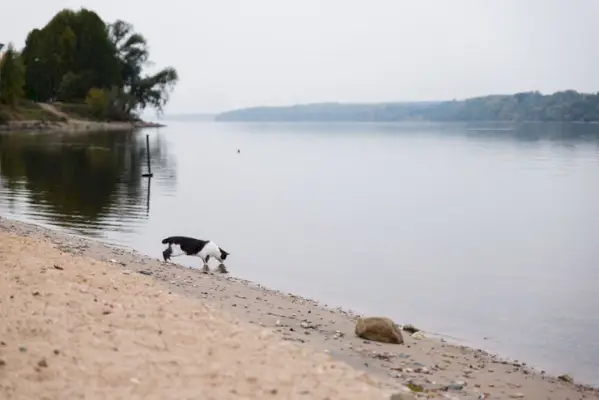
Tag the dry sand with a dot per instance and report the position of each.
(79, 319)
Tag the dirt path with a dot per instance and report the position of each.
(53, 110)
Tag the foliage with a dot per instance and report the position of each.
(527, 106)
(4, 117)
(74, 43)
(77, 52)
(113, 104)
(133, 53)
(12, 77)
(98, 102)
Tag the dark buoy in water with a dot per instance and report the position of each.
(238, 151)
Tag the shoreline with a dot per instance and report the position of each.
(76, 126)
(430, 363)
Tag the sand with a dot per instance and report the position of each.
(79, 319)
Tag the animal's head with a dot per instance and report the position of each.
(223, 254)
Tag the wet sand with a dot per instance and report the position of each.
(134, 326)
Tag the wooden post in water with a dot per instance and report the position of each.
(149, 174)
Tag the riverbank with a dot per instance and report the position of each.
(51, 117)
(432, 365)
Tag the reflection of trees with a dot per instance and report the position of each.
(80, 176)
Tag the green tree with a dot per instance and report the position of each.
(132, 50)
(68, 56)
(12, 77)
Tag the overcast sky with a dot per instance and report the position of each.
(238, 53)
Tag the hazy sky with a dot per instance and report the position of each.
(237, 53)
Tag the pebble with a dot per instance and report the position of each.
(457, 385)
(566, 378)
(517, 396)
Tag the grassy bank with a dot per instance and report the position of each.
(25, 111)
(28, 115)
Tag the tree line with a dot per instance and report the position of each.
(566, 105)
(79, 58)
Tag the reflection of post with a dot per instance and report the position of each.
(149, 174)
(1, 46)
(148, 197)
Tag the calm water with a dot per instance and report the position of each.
(490, 236)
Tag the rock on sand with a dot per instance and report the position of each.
(379, 329)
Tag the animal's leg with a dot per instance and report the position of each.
(206, 268)
(222, 268)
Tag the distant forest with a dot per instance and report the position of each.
(527, 106)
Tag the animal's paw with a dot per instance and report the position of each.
(205, 269)
(222, 269)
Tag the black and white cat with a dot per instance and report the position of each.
(204, 249)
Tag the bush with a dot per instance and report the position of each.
(12, 74)
(113, 104)
(4, 117)
(98, 103)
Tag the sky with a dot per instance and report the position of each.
(240, 53)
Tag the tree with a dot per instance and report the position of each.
(75, 46)
(76, 52)
(133, 53)
(12, 77)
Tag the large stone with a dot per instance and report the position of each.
(379, 329)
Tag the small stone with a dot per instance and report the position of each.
(22, 349)
(517, 396)
(56, 351)
(58, 267)
(566, 378)
(457, 385)
(36, 293)
(42, 363)
(2, 362)
(399, 396)
(414, 387)
(410, 328)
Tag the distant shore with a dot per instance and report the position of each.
(563, 106)
(428, 366)
(49, 118)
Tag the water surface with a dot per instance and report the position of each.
(487, 233)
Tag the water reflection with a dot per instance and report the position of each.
(87, 182)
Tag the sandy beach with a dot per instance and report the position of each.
(80, 319)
